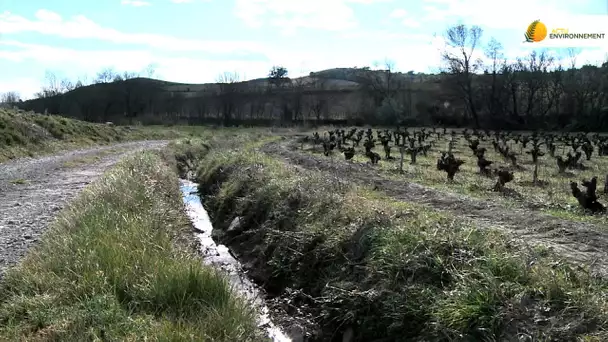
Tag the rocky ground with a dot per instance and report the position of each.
(32, 191)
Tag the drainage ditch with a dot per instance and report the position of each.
(219, 256)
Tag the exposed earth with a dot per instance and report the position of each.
(32, 191)
(585, 244)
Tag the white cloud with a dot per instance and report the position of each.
(331, 15)
(409, 22)
(57, 56)
(80, 27)
(509, 21)
(410, 51)
(181, 1)
(201, 70)
(135, 3)
(25, 87)
(48, 16)
(404, 17)
(387, 36)
(483, 13)
(73, 63)
(398, 13)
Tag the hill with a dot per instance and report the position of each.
(521, 96)
(327, 95)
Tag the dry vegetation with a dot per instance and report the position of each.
(119, 265)
(387, 232)
(29, 134)
(544, 184)
(352, 259)
(478, 87)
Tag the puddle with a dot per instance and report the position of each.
(220, 257)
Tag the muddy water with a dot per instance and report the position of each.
(219, 256)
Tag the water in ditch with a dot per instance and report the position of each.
(219, 256)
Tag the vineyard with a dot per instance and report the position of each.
(539, 170)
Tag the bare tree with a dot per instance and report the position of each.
(494, 54)
(126, 75)
(297, 96)
(257, 101)
(458, 55)
(317, 100)
(573, 56)
(389, 70)
(66, 85)
(150, 70)
(534, 85)
(378, 84)
(281, 83)
(51, 88)
(227, 95)
(10, 98)
(106, 75)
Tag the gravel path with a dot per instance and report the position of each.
(27, 208)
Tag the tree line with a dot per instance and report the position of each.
(539, 90)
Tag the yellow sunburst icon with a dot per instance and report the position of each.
(536, 32)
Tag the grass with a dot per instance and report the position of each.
(81, 161)
(89, 159)
(28, 134)
(554, 197)
(391, 269)
(118, 264)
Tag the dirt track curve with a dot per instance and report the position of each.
(583, 243)
(32, 191)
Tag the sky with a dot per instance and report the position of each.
(194, 41)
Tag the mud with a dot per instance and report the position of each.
(32, 191)
(582, 243)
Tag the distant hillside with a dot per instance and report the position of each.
(522, 96)
(324, 95)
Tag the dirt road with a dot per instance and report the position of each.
(32, 191)
(583, 243)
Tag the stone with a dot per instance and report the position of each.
(235, 226)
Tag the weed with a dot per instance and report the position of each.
(114, 267)
(388, 268)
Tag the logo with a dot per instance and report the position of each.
(563, 33)
(536, 32)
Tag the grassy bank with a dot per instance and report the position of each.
(390, 269)
(118, 264)
(28, 134)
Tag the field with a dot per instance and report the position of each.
(551, 193)
(343, 248)
(363, 249)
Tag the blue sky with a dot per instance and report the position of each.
(196, 40)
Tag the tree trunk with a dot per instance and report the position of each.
(402, 151)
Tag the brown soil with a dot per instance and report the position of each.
(584, 244)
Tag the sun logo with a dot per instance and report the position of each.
(536, 32)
